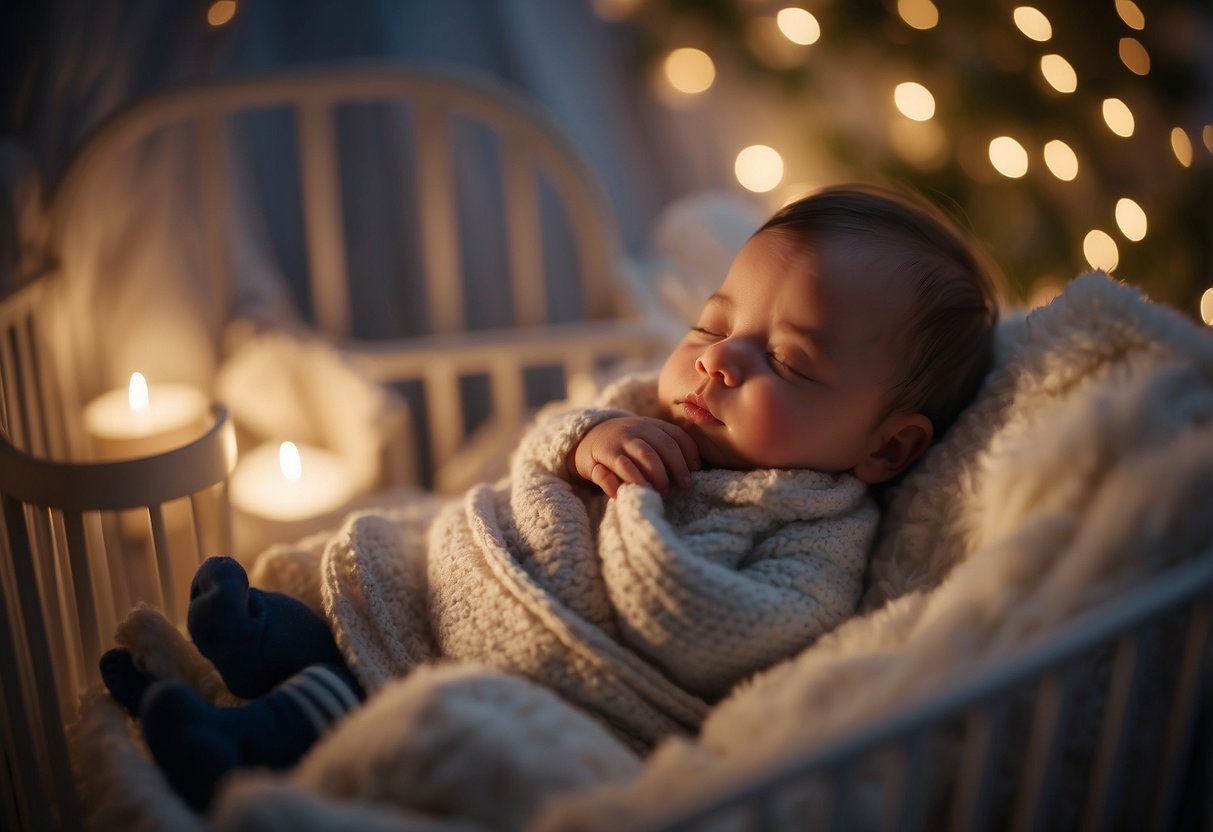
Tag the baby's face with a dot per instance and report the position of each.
(791, 361)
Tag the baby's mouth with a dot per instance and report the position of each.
(696, 411)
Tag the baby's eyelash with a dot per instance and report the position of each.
(785, 365)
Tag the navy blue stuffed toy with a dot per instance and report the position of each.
(269, 648)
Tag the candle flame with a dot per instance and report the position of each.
(289, 461)
(136, 393)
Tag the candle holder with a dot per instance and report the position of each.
(283, 491)
(70, 575)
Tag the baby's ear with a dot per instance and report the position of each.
(900, 440)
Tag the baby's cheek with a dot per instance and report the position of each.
(669, 379)
(772, 429)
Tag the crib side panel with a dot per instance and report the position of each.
(82, 542)
(273, 154)
(1106, 726)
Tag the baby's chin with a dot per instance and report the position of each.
(713, 452)
(713, 455)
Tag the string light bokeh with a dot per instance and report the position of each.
(1066, 134)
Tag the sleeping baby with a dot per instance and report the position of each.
(646, 553)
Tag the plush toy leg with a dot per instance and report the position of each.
(255, 639)
(125, 681)
(196, 743)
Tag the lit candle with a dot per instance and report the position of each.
(287, 482)
(143, 420)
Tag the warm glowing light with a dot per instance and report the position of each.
(770, 46)
(798, 26)
(914, 101)
(136, 393)
(1032, 22)
(1131, 14)
(1206, 306)
(1181, 146)
(221, 12)
(1100, 250)
(289, 461)
(1118, 116)
(1207, 135)
(1059, 73)
(923, 144)
(615, 9)
(1134, 56)
(1043, 291)
(1008, 157)
(1061, 160)
(1131, 219)
(690, 70)
(759, 168)
(919, 14)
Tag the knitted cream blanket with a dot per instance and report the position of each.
(639, 616)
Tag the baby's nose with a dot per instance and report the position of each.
(721, 362)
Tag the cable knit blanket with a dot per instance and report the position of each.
(1083, 467)
(638, 609)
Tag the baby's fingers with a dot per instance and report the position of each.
(689, 450)
(679, 456)
(605, 478)
(648, 463)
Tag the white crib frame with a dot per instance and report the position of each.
(618, 320)
(41, 388)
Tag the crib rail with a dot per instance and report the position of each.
(532, 146)
(503, 357)
(1168, 796)
(546, 192)
(83, 542)
(31, 409)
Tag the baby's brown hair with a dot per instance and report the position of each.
(947, 339)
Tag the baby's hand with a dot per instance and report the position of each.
(635, 449)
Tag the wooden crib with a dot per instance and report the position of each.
(84, 539)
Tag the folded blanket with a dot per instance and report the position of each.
(640, 616)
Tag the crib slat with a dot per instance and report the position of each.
(5, 430)
(1110, 751)
(1181, 724)
(119, 568)
(1044, 746)
(444, 411)
(913, 783)
(593, 257)
(45, 713)
(323, 219)
(509, 392)
(13, 392)
(51, 589)
(841, 798)
(33, 388)
(978, 765)
(85, 589)
(107, 609)
(213, 163)
(50, 408)
(525, 237)
(21, 767)
(438, 218)
(164, 563)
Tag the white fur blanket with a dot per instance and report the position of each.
(1084, 466)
